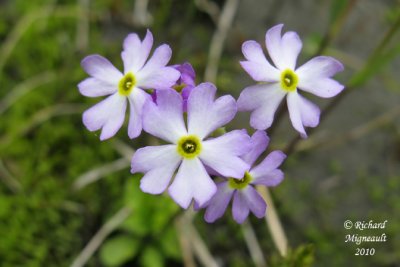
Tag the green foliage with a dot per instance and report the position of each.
(44, 148)
(118, 250)
(302, 256)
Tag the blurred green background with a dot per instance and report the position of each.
(60, 187)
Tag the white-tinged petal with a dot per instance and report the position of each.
(159, 59)
(107, 115)
(273, 42)
(102, 69)
(263, 100)
(302, 113)
(314, 76)
(158, 163)
(192, 182)
(135, 52)
(206, 114)
(137, 99)
(322, 87)
(218, 203)
(161, 79)
(259, 142)
(291, 47)
(223, 153)
(93, 87)
(283, 50)
(295, 113)
(165, 119)
(257, 66)
(261, 72)
(252, 51)
(309, 112)
(319, 67)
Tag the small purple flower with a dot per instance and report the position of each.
(245, 197)
(130, 86)
(189, 151)
(284, 79)
(185, 84)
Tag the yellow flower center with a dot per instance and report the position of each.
(179, 87)
(189, 146)
(240, 183)
(289, 80)
(126, 84)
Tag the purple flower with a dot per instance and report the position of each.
(245, 197)
(284, 79)
(126, 87)
(185, 84)
(189, 151)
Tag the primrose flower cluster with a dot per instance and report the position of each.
(194, 164)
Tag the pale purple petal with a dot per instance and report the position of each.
(165, 119)
(192, 182)
(252, 51)
(272, 178)
(254, 201)
(188, 75)
(107, 115)
(302, 113)
(206, 114)
(102, 69)
(223, 153)
(135, 52)
(319, 67)
(137, 99)
(218, 203)
(263, 100)
(259, 142)
(261, 72)
(295, 113)
(158, 163)
(266, 172)
(161, 79)
(159, 59)
(322, 87)
(309, 112)
(273, 41)
(240, 210)
(291, 47)
(314, 76)
(93, 87)
(131, 52)
(257, 66)
(271, 162)
(283, 50)
(185, 95)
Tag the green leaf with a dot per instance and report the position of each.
(150, 213)
(151, 257)
(118, 250)
(302, 256)
(170, 244)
